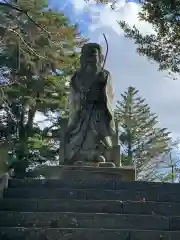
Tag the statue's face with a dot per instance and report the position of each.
(90, 59)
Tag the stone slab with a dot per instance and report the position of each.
(154, 208)
(63, 171)
(47, 205)
(175, 223)
(111, 182)
(127, 207)
(91, 206)
(154, 235)
(84, 234)
(83, 220)
(93, 194)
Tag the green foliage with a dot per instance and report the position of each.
(140, 138)
(167, 169)
(163, 45)
(36, 59)
(169, 177)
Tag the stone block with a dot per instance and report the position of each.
(104, 183)
(84, 234)
(52, 205)
(88, 194)
(96, 194)
(60, 172)
(154, 208)
(62, 234)
(175, 223)
(92, 206)
(112, 183)
(153, 235)
(83, 220)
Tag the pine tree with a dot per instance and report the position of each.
(36, 66)
(167, 169)
(140, 138)
(163, 45)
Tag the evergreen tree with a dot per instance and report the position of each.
(167, 168)
(163, 45)
(140, 138)
(36, 66)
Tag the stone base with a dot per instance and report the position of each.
(106, 164)
(93, 164)
(85, 164)
(87, 172)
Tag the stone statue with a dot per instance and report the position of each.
(91, 122)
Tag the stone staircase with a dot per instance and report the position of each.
(97, 206)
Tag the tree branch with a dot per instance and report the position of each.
(23, 41)
(12, 6)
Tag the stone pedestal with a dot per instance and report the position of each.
(85, 172)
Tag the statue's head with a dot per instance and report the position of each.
(91, 57)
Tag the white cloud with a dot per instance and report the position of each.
(80, 5)
(105, 16)
(128, 68)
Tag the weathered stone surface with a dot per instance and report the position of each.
(93, 194)
(83, 220)
(94, 183)
(83, 234)
(51, 205)
(73, 208)
(154, 235)
(91, 126)
(112, 182)
(57, 170)
(156, 209)
(90, 206)
(68, 183)
(62, 234)
(175, 223)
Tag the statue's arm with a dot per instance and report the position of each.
(110, 90)
(108, 87)
(110, 99)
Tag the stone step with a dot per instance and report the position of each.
(84, 220)
(93, 194)
(90, 206)
(84, 234)
(56, 205)
(78, 182)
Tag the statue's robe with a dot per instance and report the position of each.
(91, 120)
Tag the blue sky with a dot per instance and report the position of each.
(82, 18)
(126, 66)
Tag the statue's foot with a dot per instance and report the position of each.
(106, 164)
(102, 162)
(101, 159)
(78, 163)
(85, 164)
